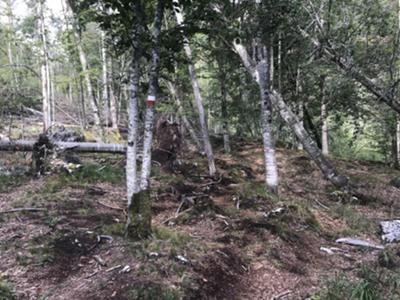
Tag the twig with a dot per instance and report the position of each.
(211, 183)
(113, 268)
(178, 215)
(282, 295)
(109, 206)
(32, 209)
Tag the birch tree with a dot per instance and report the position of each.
(135, 225)
(259, 72)
(296, 125)
(85, 69)
(45, 70)
(196, 91)
(324, 117)
(152, 97)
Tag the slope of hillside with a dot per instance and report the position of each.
(214, 238)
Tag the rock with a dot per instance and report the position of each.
(391, 231)
(395, 182)
(359, 243)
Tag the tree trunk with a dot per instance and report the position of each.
(300, 105)
(138, 223)
(26, 146)
(398, 141)
(271, 64)
(113, 99)
(224, 114)
(151, 98)
(309, 145)
(324, 120)
(280, 62)
(82, 102)
(45, 72)
(224, 109)
(85, 69)
(271, 176)
(197, 93)
(296, 125)
(105, 94)
(176, 95)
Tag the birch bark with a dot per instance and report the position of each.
(45, 72)
(196, 91)
(324, 120)
(296, 125)
(152, 97)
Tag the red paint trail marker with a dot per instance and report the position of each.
(151, 101)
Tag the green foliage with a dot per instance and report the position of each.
(150, 291)
(93, 173)
(371, 284)
(356, 221)
(5, 291)
(175, 238)
(7, 182)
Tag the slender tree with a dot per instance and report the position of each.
(196, 91)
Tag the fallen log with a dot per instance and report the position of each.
(83, 147)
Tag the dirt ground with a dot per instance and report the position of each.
(214, 238)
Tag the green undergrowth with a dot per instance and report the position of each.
(94, 173)
(356, 221)
(370, 284)
(52, 190)
(5, 291)
(251, 190)
(286, 224)
(8, 182)
(151, 290)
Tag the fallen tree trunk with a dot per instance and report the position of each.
(26, 146)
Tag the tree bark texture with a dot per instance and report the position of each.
(259, 72)
(45, 71)
(196, 91)
(324, 118)
(27, 145)
(152, 98)
(297, 127)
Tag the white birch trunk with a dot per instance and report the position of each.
(197, 93)
(271, 176)
(113, 99)
(26, 145)
(324, 136)
(300, 105)
(296, 125)
(105, 94)
(152, 98)
(45, 72)
(398, 140)
(85, 69)
(309, 145)
(131, 153)
(324, 119)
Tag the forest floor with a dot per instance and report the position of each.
(214, 238)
